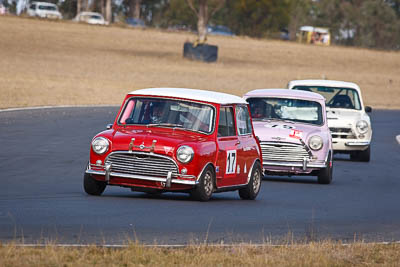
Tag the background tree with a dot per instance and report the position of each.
(366, 23)
(134, 8)
(108, 10)
(201, 9)
(378, 26)
(259, 18)
(299, 15)
(176, 13)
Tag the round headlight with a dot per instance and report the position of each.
(100, 145)
(362, 127)
(315, 142)
(185, 154)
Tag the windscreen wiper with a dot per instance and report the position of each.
(174, 125)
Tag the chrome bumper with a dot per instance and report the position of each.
(166, 181)
(304, 165)
(358, 143)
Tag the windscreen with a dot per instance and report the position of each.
(297, 110)
(336, 97)
(158, 112)
(46, 7)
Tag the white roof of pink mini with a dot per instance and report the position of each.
(285, 93)
(329, 83)
(192, 94)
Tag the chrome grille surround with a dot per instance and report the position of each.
(281, 151)
(141, 163)
(342, 133)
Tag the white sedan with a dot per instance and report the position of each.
(44, 10)
(348, 120)
(91, 18)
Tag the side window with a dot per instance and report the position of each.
(226, 125)
(243, 120)
(32, 6)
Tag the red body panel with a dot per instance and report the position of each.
(208, 150)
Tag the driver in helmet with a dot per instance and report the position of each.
(157, 112)
(257, 110)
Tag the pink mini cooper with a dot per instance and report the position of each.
(293, 132)
(178, 140)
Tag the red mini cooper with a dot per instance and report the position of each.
(179, 140)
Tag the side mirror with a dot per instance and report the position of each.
(109, 126)
(368, 109)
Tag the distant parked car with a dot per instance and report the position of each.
(293, 132)
(179, 27)
(178, 140)
(347, 117)
(219, 30)
(44, 10)
(137, 23)
(91, 18)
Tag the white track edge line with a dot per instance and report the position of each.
(185, 246)
(55, 107)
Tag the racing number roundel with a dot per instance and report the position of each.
(230, 161)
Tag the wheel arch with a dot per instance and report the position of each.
(208, 164)
(252, 167)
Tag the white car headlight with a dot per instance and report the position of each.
(315, 142)
(185, 154)
(100, 145)
(362, 127)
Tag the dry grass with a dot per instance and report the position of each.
(312, 254)
(62, 63)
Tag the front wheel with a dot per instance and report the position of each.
(253, 187)
(364, 155)
(325, 174)
(92, 186)
(205, 188)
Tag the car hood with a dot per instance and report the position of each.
(344, 117)
(167, 140)
(280, 131)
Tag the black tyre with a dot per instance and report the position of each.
(253, 187)
(92, 186)
(205, 188)
(325, 175)
(364, 155)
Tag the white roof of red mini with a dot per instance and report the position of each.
(285, 93)
(192, 94)
(328, 83)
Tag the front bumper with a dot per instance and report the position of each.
(306, 166)
(350, 144)
(108, 174)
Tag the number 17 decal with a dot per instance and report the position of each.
(230, 161)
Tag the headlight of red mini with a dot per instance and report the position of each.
(185, 154)
(100, 145)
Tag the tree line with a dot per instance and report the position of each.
(364, 23)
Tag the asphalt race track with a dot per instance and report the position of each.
(43, 154)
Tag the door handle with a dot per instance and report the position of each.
(237, 143)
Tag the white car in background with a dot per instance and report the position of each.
(348, 120)
(91, 18)
(44, 10)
